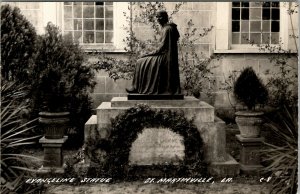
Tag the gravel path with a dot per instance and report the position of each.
(142, 188)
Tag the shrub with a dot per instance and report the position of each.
(249, 89)
(18, 38)
(15, 166)
(281, 155)
(62, 78)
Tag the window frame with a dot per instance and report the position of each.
(223, 42)
(119, 33)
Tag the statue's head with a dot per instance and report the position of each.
(162, 17)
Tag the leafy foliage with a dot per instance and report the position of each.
(14, 165)
(18, 38)
(281, 155)
(283, 84)
(125, 129)
(59, 74)
(249, 89)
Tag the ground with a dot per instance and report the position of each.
(139, 187)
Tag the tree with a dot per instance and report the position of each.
(18, 39)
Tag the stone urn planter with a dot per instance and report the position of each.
(249, 123)
(54, 124)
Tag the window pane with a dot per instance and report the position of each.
(235, 38)
(88, 12)
(88, 37)
(266, 4)
(78, 11)
(108, 12)
(68, 24)
(77, 24)
(266, 26)
(266, 14)
(235, 26)
(266, 38)
(245, 4)
(235, 4)
(78, 36)
(99, 3)
(99, 12)
(275, 14)
(108, 37)
(275, 4)
(255, 38)
(245, 14)
(275, 38)
(236, 14)
(275, 26)
(109, 24)
(255, 26)
(255, 4)
(68, 12)
(108, 3)
(67, 3)
(88, 3)
(88, 24)
(255, 14)
(100, 24)
(99, 37)
(245, 38)
(245, 26)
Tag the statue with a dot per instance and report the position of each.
(158, 72)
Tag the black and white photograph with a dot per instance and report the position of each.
(115, 97)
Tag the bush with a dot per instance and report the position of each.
(18, 38)
(249, 89)
(62, 79)
(281, 155)
(15, 166)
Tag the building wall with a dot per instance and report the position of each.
(203, 15)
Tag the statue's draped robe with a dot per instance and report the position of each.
(159, 73)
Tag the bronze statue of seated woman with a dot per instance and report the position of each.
(158, 72)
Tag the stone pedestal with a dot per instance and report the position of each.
(211, 128)
(249, 154)
(53, 157)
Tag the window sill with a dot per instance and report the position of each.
(102, 48)
(243, 51)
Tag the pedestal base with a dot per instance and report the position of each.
(249, 154)
(211, 128)
(53, 157)
(50, 170)
(155, 97)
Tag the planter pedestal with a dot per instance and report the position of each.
(53, 157)
(249, 154)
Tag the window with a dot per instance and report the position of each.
(255, 22)
(89, 23)
(261, 22)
